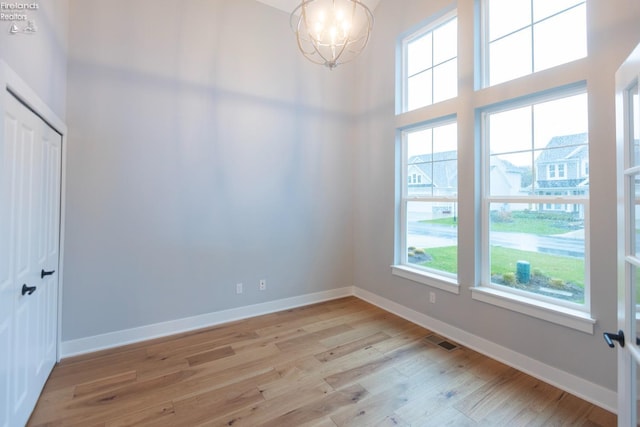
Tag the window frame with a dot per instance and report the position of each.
(500, 294)
(424, 275)
(472, 98)
(424, 29)
(484, 49)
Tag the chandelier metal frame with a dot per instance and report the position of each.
(341, 41)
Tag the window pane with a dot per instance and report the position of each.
(430, 226)
(511, 175)
(419, 182)
(545, 8)
(419, 91)
(538, 251)
(445, 42)
(635, 218)
(445, 175)
(634, 110)
(419, 143)
(565, 116)
(431, 66)
(635, 113)
(538, 246)
(432, 236)
(510, 57)
(445, 138)
(560, 39)
(510, 130)
(507, 16)
(419, 55)
(518, 45)
(446, 78)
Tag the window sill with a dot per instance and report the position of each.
(559, 315)
(419, 276)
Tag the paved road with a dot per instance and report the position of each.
(426, 235)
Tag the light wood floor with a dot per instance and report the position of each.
(343, 362)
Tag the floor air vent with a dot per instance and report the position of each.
(441, 342)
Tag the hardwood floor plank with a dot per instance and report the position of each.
(391, 421)
(349, 376)
(289, 377)
(200, 408)
(339, 363)
(83, 370)
(210, 356)
(373, 409)
(264, 412)
(430, 394)
(313, 337)
(321, 408)
(151, 416)
(104, 383)
(451, 417)
(345, 349)
(490, 396)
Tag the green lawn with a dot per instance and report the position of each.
(522, 222)
(444, 259)
(503, 260)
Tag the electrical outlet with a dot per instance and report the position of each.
(238, 288)
(263, 285)
(432, 297)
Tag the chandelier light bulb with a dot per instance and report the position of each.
(331, 32)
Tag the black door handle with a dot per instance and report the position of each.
(28, 289)
(46, 273)
(610, 337)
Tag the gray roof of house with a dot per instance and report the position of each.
(445, 168)
(564, 147)
(445, 171)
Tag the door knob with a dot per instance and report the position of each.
(46, 273)
(610, 337)
(28, 289)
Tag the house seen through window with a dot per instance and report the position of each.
(430, 198)
(536, 198)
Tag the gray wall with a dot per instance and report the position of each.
(614, 31)
(204, 151)
(41, 58)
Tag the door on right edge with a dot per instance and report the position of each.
(628, 183)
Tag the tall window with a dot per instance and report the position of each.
(430, 64)
(429, 203)
(525, 36)
(535, 198)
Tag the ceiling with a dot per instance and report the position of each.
(289, 5)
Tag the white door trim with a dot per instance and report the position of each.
(11, 82)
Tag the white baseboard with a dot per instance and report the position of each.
(129, 336)
(577, 386)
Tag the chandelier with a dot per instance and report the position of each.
(331, 32)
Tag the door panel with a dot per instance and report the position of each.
(22, 196)
(7, 295)
(628, 158)
(31, 223)
(49, 235)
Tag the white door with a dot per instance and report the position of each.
(29, 245)
(628, 151)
